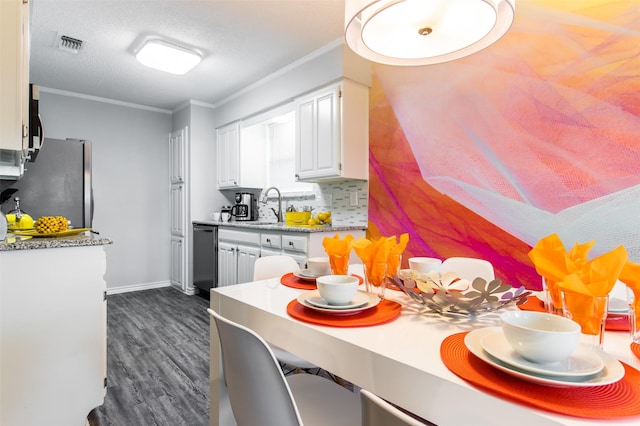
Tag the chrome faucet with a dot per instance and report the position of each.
(264, 201)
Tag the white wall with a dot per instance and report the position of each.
(203, 164)
(130, 181)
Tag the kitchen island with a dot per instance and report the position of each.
(52, 330)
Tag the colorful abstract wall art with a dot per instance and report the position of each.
(537, 134)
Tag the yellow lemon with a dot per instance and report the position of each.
(322, 216)
(312, 221)
(11, 218)
(25, 222)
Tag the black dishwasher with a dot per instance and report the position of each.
(205, 256)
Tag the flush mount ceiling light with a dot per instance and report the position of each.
(423, 32)
(167, 56)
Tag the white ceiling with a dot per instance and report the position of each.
(243, 41)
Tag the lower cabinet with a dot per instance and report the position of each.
(53, 313)
(178, 263)
(239, 249)
(246, 256)
(237, 254)
(227, 264)
(301, 260)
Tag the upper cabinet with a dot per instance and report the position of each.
(228, 143)
(241, 161)
(332, 133)
(14, 86)
(178, 151)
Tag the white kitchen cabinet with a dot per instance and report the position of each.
(238, 249)
(298, 245)
(227, 264)
(178, 154)
(14, 86)
(332, 133)
(271, 241)
(237, 254)
(247, 256)
(241, 157)
(228, 149)
(53, 318)
(178, 261)
(179, 210)
(178, 207)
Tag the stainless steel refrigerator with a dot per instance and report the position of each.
(58, 183)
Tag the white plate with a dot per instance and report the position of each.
(612, 372)
(358, 300)
(305, 274)
(582, 363)
(373, 300)
(617, 306)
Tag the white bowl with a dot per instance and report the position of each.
(337, 289)
(424, 265)
(540, 337)
(319, 266)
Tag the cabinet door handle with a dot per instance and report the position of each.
(269, 240)
(291, 243)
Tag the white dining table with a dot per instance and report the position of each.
(399, 361)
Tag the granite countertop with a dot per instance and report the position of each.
(273, 226)
(26, 243)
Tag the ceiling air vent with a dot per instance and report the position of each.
(68, 44)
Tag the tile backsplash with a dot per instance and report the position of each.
(334, 196)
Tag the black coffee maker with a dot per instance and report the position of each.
(245, 207)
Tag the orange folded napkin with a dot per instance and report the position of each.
(589, 285)
(553, 262)
(381, 257)
(395, 252)
(338, 251)
(374, 256)
(597, 276)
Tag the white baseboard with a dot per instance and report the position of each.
(138, 287)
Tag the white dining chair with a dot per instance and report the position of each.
(275, 267)
(469, 268)
(378, 412)
(260, 394)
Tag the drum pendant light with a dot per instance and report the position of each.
(423, 32)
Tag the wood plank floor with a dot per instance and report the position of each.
(157, 360)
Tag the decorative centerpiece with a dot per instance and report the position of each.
(448, 294)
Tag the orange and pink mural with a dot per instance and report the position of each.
(537, 134)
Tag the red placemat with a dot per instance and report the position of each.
(385, 311)
(635, 348)
(615, 322)
(291, 280)
(617, 400)
(533, 304)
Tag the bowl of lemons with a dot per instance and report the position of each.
(320, 219)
